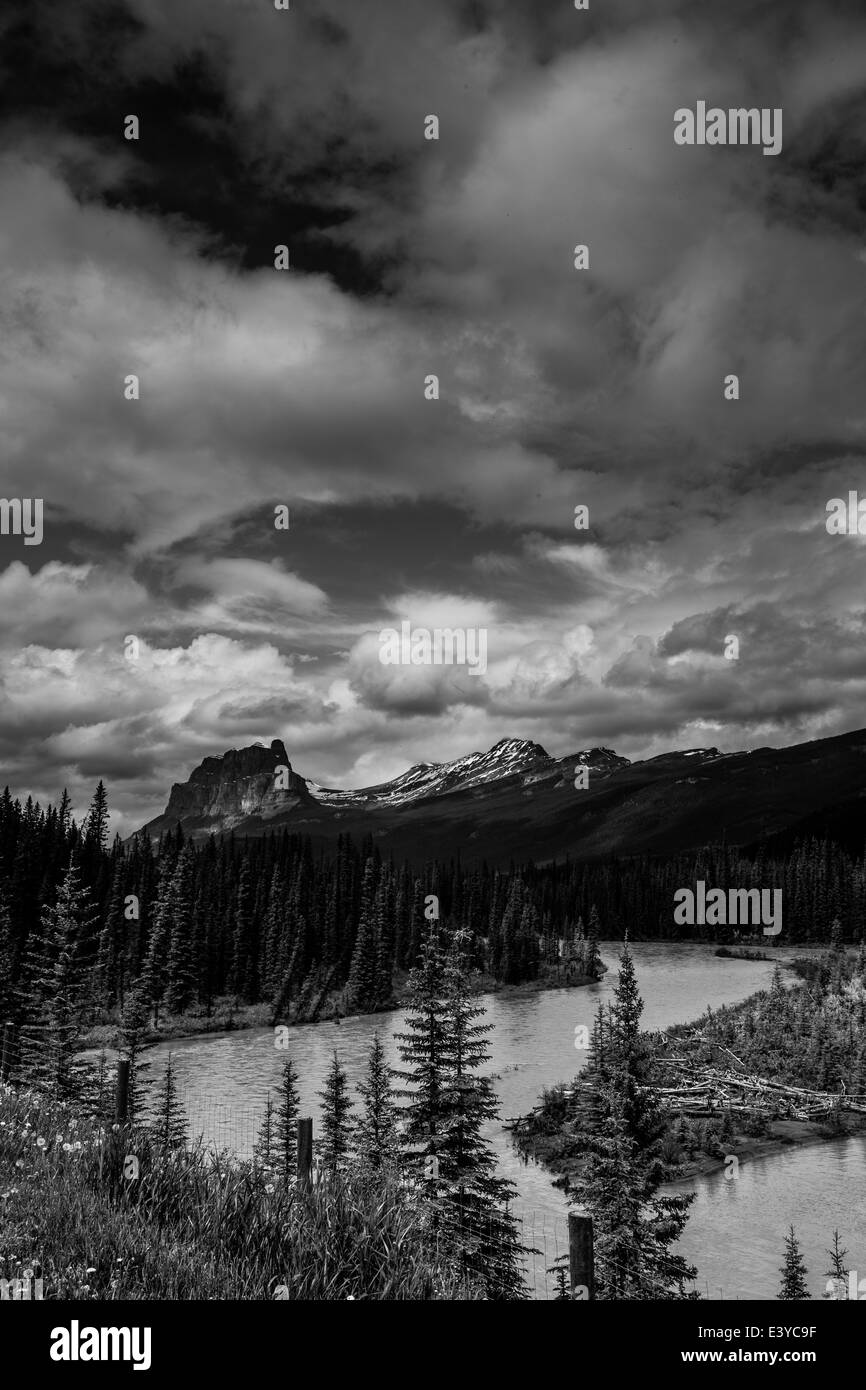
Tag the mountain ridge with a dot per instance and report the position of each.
(516, 801)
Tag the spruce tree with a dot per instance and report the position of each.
(424, 1050)
(475, 1200)
(335, 1118)
(621, 1127)
(559, 1270)
(793, 1271)
(364, 974)
(376, 1138)
(133, 1025)
(169, 1124)
(265, 1148)
(837, 1274)
(180, 971)
(286, 1126)
(55, 987)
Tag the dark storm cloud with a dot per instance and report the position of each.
(410, 257)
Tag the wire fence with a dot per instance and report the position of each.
(224, 1126)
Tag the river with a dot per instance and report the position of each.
(736, 1230)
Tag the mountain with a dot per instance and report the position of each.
(517, 802)
(222, 793)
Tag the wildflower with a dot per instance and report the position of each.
(67, 1148)
(58, 1138)
(91, 1270)
(41, 1143)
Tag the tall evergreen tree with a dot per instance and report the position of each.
(169, 1124)
(793, 1271)
(265, 1148)
(837, 1274)
(622, 1129)
(55, 987)
(475, 1199)
(424, 1050)
(133, 1024)
(336, 1117)
(180, 970)
(286, 1126)
(376, 1137)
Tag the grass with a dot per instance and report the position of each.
(195, 1224)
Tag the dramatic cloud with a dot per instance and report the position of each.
(309, 388)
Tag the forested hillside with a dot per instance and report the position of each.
(270, 920)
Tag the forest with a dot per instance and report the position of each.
(270, 921)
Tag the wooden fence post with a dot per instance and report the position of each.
(580, 1257)
(6, 1055)
(305, 1154)
(122, 1101)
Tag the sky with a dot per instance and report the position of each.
(259, 387)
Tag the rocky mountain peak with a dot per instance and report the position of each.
(223, 791)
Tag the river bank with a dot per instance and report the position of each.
(226, 1015)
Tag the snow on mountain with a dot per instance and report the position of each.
(508, 757)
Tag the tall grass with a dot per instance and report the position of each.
(195, 1224)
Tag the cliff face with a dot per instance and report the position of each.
(223, 792)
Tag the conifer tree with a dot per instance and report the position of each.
(133, 1025)
(793, 1272)
(153, 975)
(180, 971)
(169, 1124)
(838, 1268)
(424, 1049)
(837, 1274)
(594, 966)
(286, 1125)
(559, 1270)
(265, 1149)
(335, 1119)
(475, 1199)
(376, 1138)
(622, 1129)
(55, 987)
(362, 989)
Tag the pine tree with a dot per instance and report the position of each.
(424, 1049)
(837, 1274)
(336, 1122)
(180, 972)
(622, 1128)
(133, 1026)
(363, 985)
(376, 1138)
(169, 1124)
(265, 1149)
(153, 975)
(286, 1126)
(594, 965)
(559, 1270)
(475, 1199)
(55, 987)
(793, 1272)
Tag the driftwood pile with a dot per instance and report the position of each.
(707, 1090)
